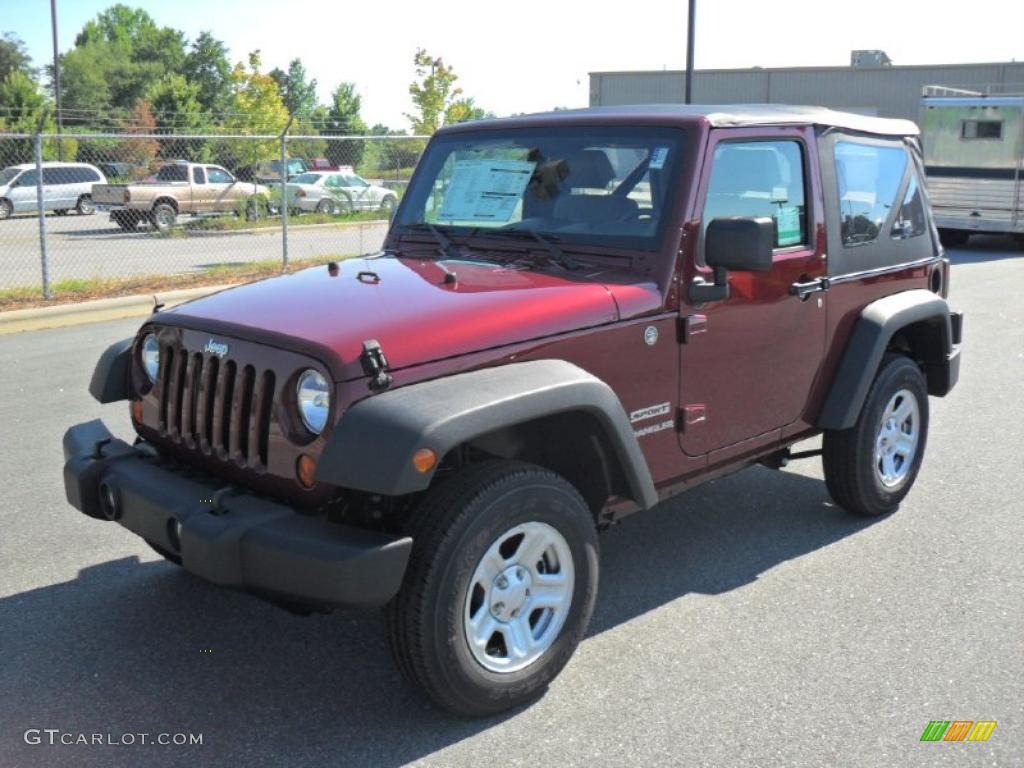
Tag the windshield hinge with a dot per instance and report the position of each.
(375, 365)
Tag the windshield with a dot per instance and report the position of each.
(7, 174)
(307, 178)
(581, 184)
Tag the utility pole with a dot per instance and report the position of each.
(690, 29)
(56, 78)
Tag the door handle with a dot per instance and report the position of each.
(803, 290)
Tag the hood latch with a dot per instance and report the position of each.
(375, 365)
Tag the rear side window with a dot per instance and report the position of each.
(910, 220)
(173, 173)
(198, 175)
(869, 179)
(760, 179)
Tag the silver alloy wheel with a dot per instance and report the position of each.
(85, 206)
(5, 209)
(898, 436)
(519, 597)
(164, 217)
(325, 206)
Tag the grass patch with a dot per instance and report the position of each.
(231, 223)
(84, 289)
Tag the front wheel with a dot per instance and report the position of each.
(6, 209)
(85, 206)
(871, 466)
(499, 590)
(387, 204)
(325, 207)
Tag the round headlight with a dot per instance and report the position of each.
(150, 355)
(314, 398)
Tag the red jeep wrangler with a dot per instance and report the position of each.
(574, 316)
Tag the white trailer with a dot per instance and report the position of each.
(974, 160)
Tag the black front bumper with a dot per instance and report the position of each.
(229, 537)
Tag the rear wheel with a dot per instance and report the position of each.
(85, 206)
(126, 220)
(871, 467)
(387, 204)
(164, 216)
(499, 590)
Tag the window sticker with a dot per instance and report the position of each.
(485, 190)
(658, 157)
(788, 219)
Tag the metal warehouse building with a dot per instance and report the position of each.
(869, 86)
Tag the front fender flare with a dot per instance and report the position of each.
(371, 447)
(109, 382)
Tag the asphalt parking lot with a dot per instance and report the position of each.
(92, 246)
(749, 622)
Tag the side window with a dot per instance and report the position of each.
(28, 178)
(981, 129)
(760, 179)
(910, 221)
(218, 175)
(198, 175)
(868, 177)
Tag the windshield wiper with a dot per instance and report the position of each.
(442, 241)
(555, 253)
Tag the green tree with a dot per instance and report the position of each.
(342, 118)
(117, 56)
(298, 93)
(433, 92)
(207, 67)
(26, 111)
(14, 56)
(256, 107)
(463, 110)
(176, 103)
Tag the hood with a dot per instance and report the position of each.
(407, 305)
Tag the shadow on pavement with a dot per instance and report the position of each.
(130, 647)
(982, 248)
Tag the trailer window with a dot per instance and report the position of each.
(981, 129)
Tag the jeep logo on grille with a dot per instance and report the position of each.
(216, 348)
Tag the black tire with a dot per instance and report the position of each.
(852, 471)
(85, 206)
(325, 207)
(60, 211)
(454, 526)
(954, 238)
(6, 209)
(388, 204)
(163, 217)
(168, 556)
(126, 220)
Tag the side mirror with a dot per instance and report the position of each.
(739, 244)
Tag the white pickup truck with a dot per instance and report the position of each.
(179, 188)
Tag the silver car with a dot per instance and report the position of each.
(66, 187)
(338, 192)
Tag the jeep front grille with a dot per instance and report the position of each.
(219, 406)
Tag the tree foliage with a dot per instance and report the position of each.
(256, 107)
(433, 92)
(343, 118)
(297, 92)
(208, 68)
(14, 56)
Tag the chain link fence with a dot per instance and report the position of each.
(89, 215)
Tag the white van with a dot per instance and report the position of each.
(66, 186)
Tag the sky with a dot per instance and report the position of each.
(534, 55)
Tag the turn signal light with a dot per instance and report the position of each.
(424, 460)
(305, 468)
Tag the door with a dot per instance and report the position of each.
(223, 193)
(748, 362)
(359, 191)
(23, 192)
